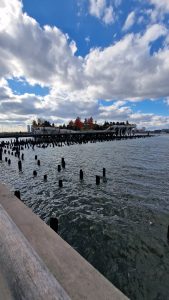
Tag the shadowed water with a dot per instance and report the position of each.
(120, 227)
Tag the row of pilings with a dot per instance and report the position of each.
(69, 139)
(20, 158)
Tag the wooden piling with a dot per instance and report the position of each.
(81, 174)
(45, 177)
(97, 180)
(60, 183)
(54, 224)
(17, 194)
(34, 173)
(20, 165)
(104, 172)
(38, 162)
(59, 168)
(63, 162)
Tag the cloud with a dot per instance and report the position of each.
(27, 50)
(100, 10)
(158, 11)
(129, 21)
(150, 121)
(117, 112)
(126, 70)
(108, 16)
(162, 5)
(97, 7)
(19, 110)
(87, 39)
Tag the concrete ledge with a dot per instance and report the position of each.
(77, 277)
(26, 274)
(4, 288)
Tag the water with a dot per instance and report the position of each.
(120, 227)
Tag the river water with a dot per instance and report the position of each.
(120, 226)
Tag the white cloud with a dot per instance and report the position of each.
(117, 2)
(127, 70)
(99, 9)
(108, 16)
(117, 111)
(123, 71)
(153, 33)
(33, 52)
(129, 21)
(150, 121)
(87, 39)
(162, 5)
(158, 11)
(166, 101)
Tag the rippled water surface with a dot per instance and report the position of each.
(120, 227)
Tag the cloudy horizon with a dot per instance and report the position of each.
(85, 58)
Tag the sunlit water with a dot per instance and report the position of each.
(120, 227)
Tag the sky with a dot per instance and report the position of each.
(108, 59)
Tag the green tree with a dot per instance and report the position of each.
(34, 124)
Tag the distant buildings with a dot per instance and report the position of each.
(50, 130)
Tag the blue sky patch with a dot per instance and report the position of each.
(20, 87)
(147, 106)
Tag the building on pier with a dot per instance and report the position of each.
(50, 130)
(122, 129)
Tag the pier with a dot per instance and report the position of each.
(36, 263)
(120, 132)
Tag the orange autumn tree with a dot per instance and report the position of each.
(90, 123)
(78, 123)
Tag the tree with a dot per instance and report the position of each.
(90, 123)
(78, 123)
(34, 124)
(40, 122)
(46, 124)
(70, 125)
(85, 124)
(106, 125)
